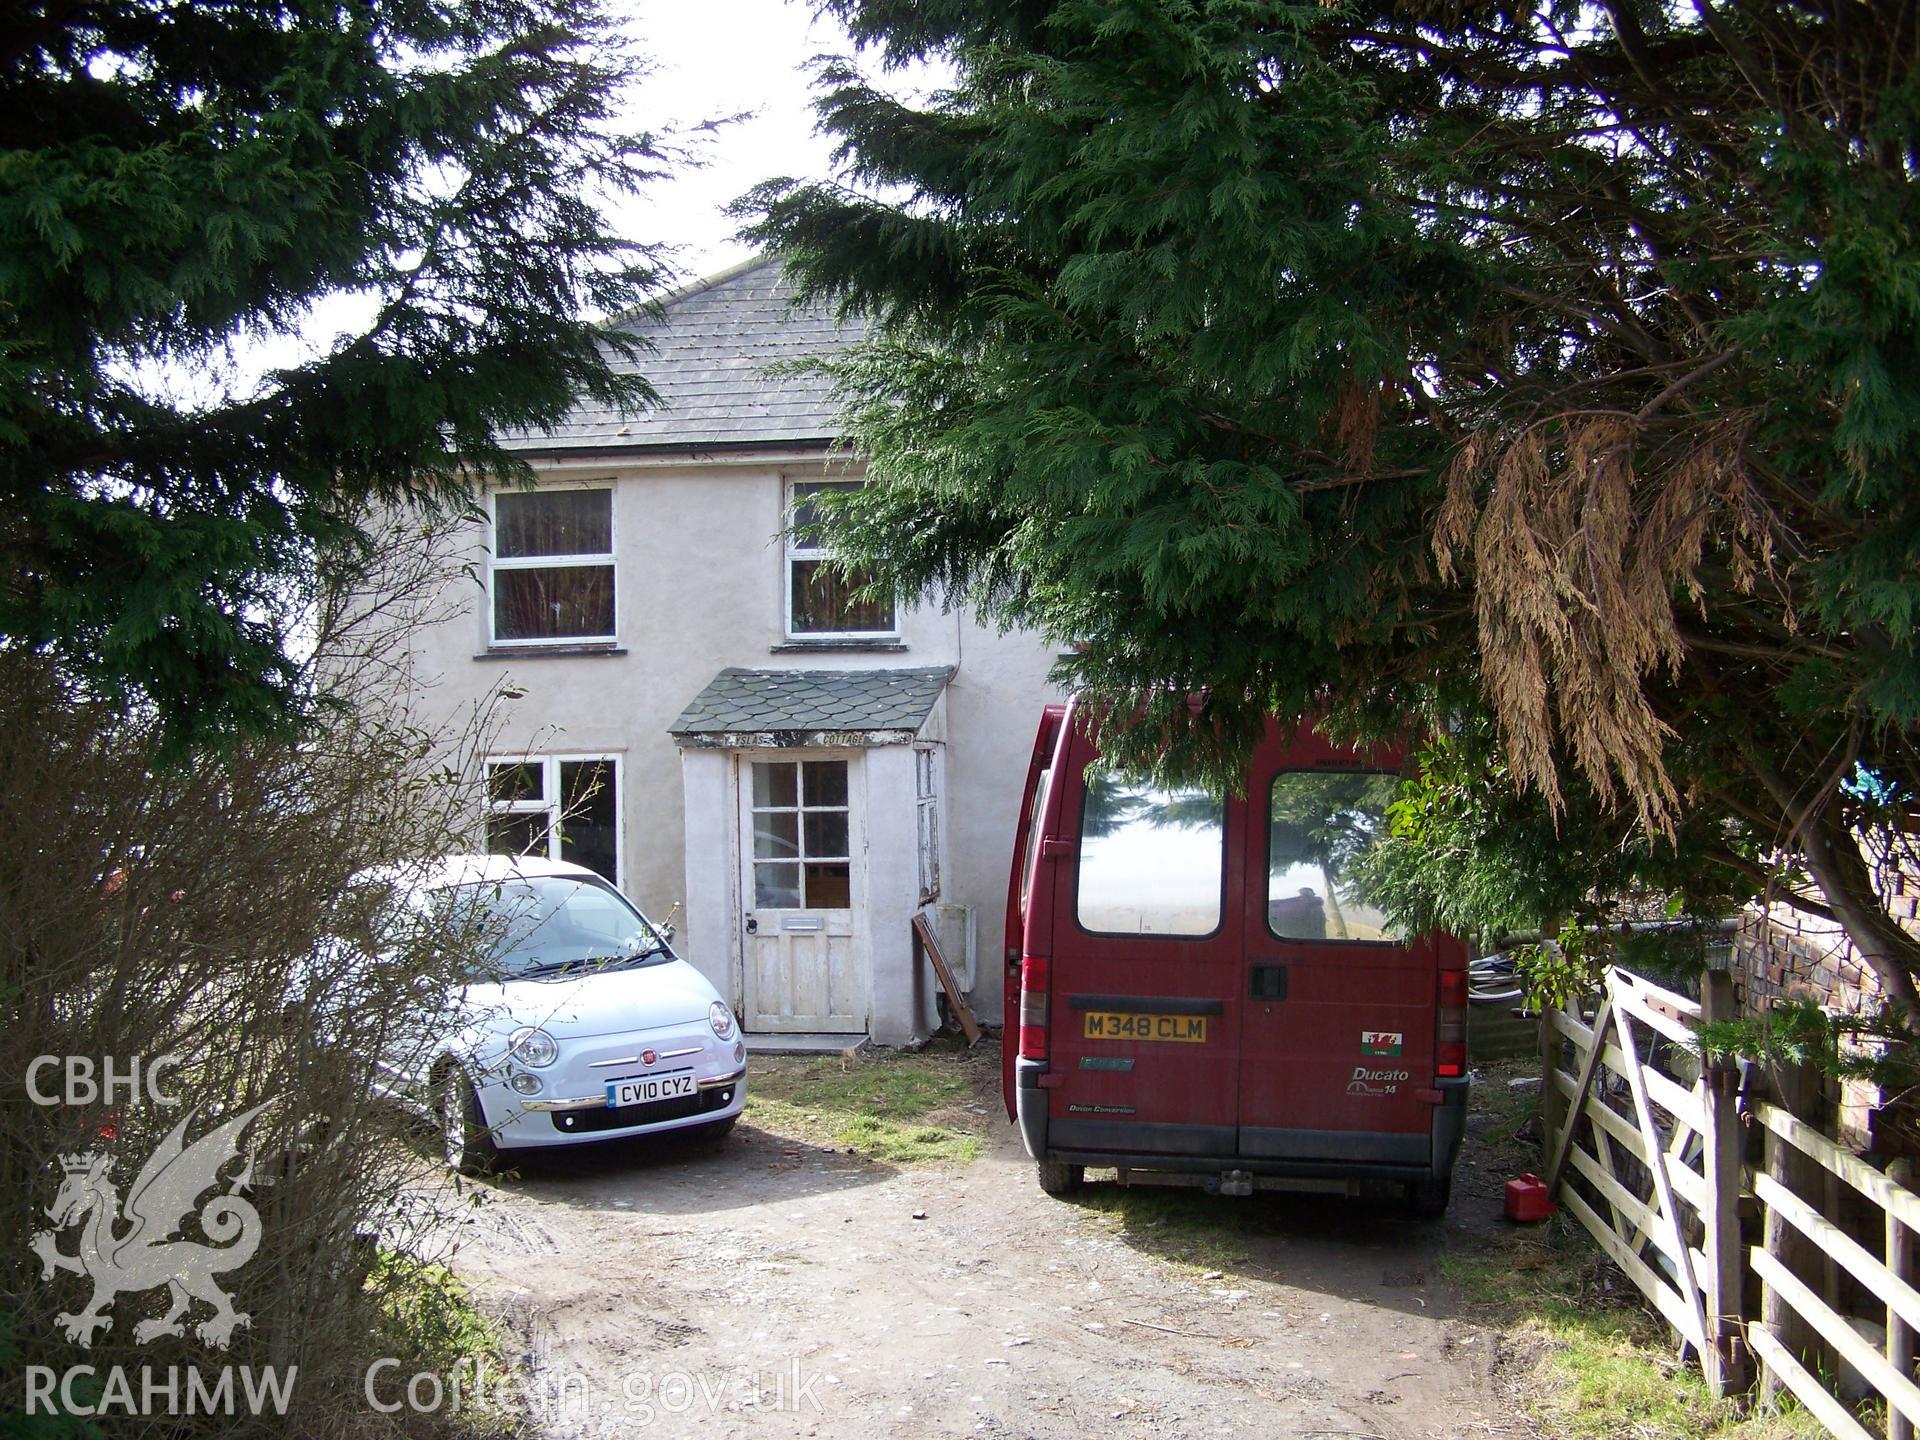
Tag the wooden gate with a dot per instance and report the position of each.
(1643, 1148)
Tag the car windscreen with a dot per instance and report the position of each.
(535, 925)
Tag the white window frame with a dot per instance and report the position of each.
(800, 809)
(549, 803)
(797, 551)
(554, 562)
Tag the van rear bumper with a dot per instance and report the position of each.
(1197, 1149)
(1030, 1104)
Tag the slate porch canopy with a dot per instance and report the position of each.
(743, 709)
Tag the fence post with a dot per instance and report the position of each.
(1725, 1141)
(1549, 1064)
(1796, 1090)
(1899, 1333)
(1772, 1309)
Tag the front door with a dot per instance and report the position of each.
(801, 883)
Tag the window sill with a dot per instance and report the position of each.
(801, 647)
(546, 652)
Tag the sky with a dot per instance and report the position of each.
(712, 58)
(723, 57)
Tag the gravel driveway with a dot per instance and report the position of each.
(776, 1286)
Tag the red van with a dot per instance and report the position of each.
(1198, 996)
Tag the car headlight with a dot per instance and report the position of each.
(721, 1018)
(532, 1047)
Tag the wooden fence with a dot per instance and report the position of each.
(1794, 1319)
(1647, 1146)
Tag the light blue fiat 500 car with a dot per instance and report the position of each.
(578, 1022)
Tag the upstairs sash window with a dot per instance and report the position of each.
(552, 569)
(823, 601)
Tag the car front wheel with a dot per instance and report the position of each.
(464, 1136)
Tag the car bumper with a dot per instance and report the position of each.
(571, 1106)
(599, 1102)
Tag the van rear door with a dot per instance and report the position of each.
(1338, 1036)
(1020, 882)
(1145, 973)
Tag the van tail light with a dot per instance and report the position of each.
(1035, 975)
(1450, 1036)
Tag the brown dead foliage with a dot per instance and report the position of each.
(1582, 551)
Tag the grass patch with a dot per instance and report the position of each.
(1597, 1365)
(430, 1311)
(431, 1321)
(907, 1109)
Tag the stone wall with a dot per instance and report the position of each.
(1781, 953)
(1906, 900)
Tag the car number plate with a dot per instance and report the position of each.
(645, 1089)
(1116, 1025)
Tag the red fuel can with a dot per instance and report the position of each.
(1527, 1200)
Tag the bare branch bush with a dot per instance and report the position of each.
(155, 907)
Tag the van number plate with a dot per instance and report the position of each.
(1114, 1025)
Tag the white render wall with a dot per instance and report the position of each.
(699, 585)
(711, 811)
(902, 992)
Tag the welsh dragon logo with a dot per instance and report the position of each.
(142, 1249)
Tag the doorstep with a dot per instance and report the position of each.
(804, 1044)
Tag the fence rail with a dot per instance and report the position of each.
(1888, 1369)
(1645, 1147)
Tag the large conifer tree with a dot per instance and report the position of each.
(1553, 364)
(178, 180)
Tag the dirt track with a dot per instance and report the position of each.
(768, 1287)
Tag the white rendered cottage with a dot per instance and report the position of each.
(722, 724)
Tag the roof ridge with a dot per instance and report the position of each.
(700, 286)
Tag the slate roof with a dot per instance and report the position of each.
(739, 701)
(712, 345)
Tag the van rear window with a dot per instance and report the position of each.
(1030, 856)
(1319, 822)
(1152, 861)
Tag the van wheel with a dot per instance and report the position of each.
(1428, 1198)
(1059, 1178)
